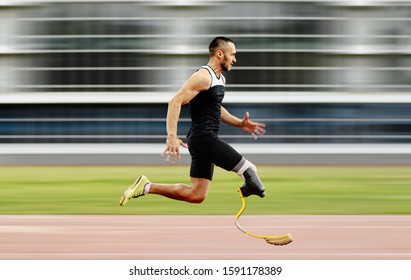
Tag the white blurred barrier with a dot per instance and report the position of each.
(150, 154)
(157, 149)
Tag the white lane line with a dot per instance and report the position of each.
(4, 229)
(377, 254)
(246, 219)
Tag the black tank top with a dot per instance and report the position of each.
(205, 108)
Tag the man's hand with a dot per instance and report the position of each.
(173, 148)
(253, 128)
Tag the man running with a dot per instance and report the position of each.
(204, 92)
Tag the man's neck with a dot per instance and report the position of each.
(216, 67)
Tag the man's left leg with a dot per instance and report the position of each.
(196, 193)
(201, 174)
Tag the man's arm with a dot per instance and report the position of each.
(251, 127)
(229, 119)
(199, 81)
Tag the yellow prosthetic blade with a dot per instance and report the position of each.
(273, 240)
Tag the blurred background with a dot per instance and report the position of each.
(87, 82)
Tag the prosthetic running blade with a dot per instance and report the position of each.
(273, 240)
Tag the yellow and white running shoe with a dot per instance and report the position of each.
(135, 190)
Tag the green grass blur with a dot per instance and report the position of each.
(314, 190)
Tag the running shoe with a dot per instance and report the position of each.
(135, 190)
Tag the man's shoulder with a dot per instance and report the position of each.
(203, 72)
(201, 77)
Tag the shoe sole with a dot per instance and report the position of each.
(129, 190)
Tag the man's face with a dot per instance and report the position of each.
(229, 59)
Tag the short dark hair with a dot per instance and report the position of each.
(217, 43)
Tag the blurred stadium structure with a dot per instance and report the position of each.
(87, 82)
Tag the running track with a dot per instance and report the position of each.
(203, 237)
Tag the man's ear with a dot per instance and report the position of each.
(220, 54)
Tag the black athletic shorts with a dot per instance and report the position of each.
(207, 151)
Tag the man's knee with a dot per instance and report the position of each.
(197, 198)
(199, 190)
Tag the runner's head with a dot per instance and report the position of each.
(223, 49)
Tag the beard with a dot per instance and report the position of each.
(225, 64)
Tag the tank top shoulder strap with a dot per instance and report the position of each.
(215, 81)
